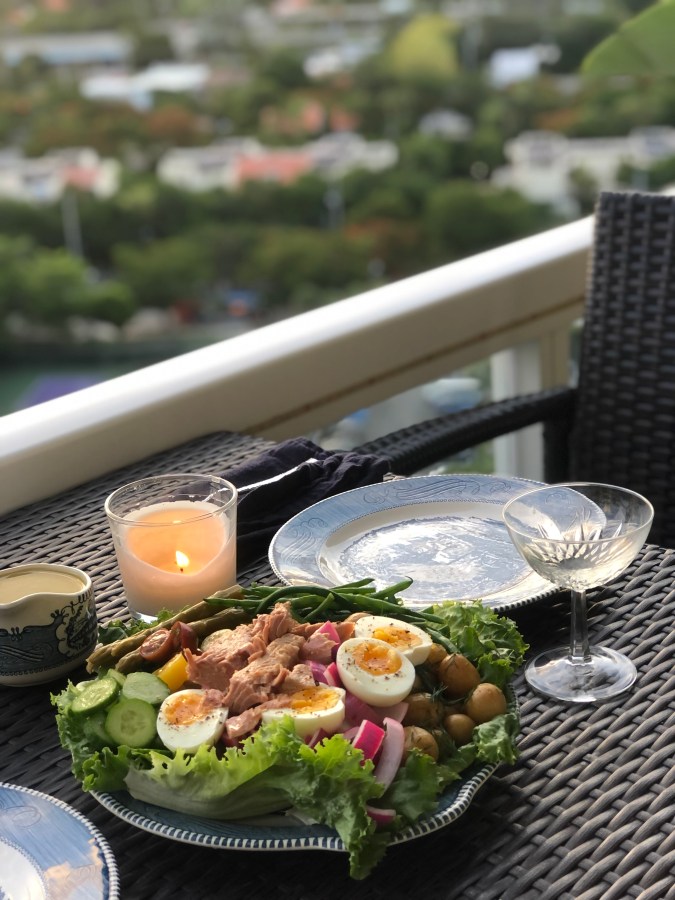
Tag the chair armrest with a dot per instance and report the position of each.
(414, 448)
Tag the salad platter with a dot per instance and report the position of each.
(296, 717)
(444, 532)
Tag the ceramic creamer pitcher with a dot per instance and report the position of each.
(48, 622)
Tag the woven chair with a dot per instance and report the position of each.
(618, 425)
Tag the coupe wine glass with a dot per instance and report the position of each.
(579, 536)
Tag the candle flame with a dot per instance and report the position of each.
(182, 561)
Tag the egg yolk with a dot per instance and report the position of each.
(187, 710)
(313, 700)
(376, 659)
(397, 637)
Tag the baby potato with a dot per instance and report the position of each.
(423, 710)
(458, 675)
(460, 728)
(417, 738)
(436, 655)
(356, 616)
(485, 702)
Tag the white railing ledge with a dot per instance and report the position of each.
(304, 372)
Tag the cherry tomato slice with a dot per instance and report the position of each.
(158, 646)
(184, 637)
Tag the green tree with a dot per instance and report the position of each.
(111, 301)
(464, 218)
(165, 272)
(285, 262)
(151, 47)
(55, 286)
(643, 46)
(423, 48)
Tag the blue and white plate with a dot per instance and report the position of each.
(444, 531)
(281, 832)
(48, 849)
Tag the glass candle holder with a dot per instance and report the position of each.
(175, 538)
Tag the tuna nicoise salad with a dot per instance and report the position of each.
(341, 704)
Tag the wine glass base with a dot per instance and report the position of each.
(605, 674)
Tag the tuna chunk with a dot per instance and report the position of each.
(262, 678)
(238, 727)
(319, 648)
(215, 666)
(272, 625)
(298, 679)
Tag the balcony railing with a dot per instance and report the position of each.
(308, 371)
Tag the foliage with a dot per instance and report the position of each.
(164, 272)
(643, 46)
(424, 48)
(461, 215)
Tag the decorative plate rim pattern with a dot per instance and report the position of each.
(306, 565)
(113, 892)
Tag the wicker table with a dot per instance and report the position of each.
(587, 812)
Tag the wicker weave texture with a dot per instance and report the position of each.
(586, 813)
(625, 426)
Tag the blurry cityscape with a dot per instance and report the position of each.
(175, 172)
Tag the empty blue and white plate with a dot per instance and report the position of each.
(444, 531)
(48, 849)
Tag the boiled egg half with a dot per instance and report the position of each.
(374, 671)
(411, 641)
(319, 707)
(188, 719)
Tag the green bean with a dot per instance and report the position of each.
(326, 603)
(393, 589)
(442, 640)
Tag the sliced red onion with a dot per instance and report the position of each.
(397, 711)
(369, 738)
(356, 710)
(392, 752)
(350, 733)
(329, 629)
(318, 671)
(333, 676)
(313, 739)
(381, 816)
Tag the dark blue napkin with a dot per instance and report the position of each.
(310, 474)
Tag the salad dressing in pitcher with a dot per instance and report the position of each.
(37, 581)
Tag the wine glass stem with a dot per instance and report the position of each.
(579, 649)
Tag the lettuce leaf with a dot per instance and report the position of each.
(273, 770)
(492, 642)
(495, 741)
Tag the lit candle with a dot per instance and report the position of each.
(173, 553)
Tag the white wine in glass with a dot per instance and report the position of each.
(579, 536)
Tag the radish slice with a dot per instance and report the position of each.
(368, 738)
(333, 676)
(318, 671)
(381, 816)
(330, 631)
(356, 710)
(397, 711)
(392, 752)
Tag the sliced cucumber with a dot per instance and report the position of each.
(94, 695)
(145, 686)
(132, 722)
(119, 677)
(94, 728)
